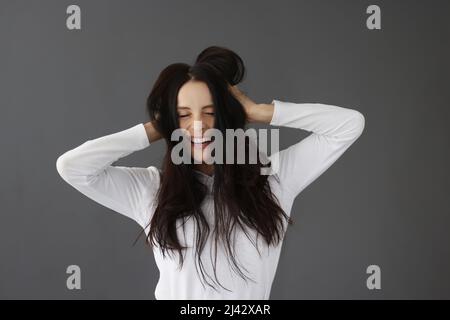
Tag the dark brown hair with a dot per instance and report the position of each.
(242, 196)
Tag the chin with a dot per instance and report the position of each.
(200, 158)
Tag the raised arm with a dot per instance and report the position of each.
(333, 129)
(88, 168)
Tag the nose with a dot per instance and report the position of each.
(198, 127)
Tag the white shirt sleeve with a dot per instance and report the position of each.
(333, 129)
(126, 190)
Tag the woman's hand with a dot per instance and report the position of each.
(249, 104)
(256, 112)
(152, 134)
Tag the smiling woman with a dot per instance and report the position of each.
(224, 222)
(196, 115)
(198, 98)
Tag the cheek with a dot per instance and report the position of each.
(182, 123)
(210, 122)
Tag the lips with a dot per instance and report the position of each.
(200, 142)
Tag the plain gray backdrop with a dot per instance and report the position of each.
(384, 202)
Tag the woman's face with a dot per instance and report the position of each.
(196, 115)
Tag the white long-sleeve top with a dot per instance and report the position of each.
(131, 191)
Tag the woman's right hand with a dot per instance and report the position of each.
(152, 134)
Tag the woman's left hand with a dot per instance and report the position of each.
(256, 112)
(249, 104)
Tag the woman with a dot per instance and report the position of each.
(224, 222)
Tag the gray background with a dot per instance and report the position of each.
(384, 202)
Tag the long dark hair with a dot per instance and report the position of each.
(242, 195)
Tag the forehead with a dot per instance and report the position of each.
(194, 94)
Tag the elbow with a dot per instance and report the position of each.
(61, 167)
(70, 172)
(66, 170)
(358, 123)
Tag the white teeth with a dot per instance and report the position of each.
(200, 140)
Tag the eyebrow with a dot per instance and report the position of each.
(208, 106)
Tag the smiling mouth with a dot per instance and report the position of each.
(201, 142)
